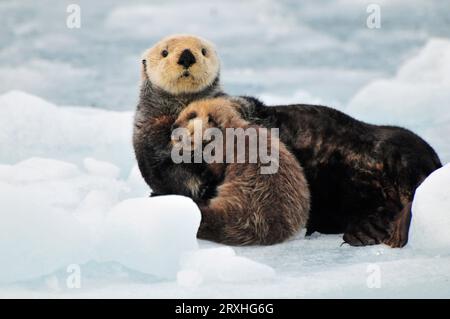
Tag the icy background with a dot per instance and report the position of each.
(70, 192)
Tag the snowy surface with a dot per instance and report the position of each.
(431, 209)
(268, 47)
(417, 97)
(70, 190)
(31, 127)
(57, 212)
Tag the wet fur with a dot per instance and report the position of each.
(249, 208)
(153, 122)
(362, 177)
(158, 109)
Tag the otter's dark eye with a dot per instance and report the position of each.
(204, 52)
(191, 116)
(144, 63)
(164, 53)
(212, 122)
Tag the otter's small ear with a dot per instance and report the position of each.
(144, 75)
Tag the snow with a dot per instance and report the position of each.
(37, 169)
(31, 126)
(54, 218)
(422, 81)
(189, 278)
(101, 168)
(150, 234)
(36, 237)
(71, 193)
(431, 211)
(146, 247)
(322, 47)
(137, 185)
(417, 97)
(220, 265)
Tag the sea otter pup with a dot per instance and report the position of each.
(250, 207)
(175, 71)
(362, 177)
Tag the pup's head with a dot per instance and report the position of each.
(219, 113)
(181, 64)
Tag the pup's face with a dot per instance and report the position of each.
(181, 64)
(205, 114)
(196, 115)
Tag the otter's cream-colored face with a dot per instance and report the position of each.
(181, 64)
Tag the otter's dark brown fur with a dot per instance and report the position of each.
(155, 115)
(362, 177)
(250, 207)
(167, 63)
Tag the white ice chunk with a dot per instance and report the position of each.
(54, 214)
(432, 64)
(189, 278)
(150, 234)
(136, 183)
(37, 169)
(101, 168)
(430, 225)
(222, 264)
(51, 213)
(415, 96)
(37, 238)
(31, 127)
(418, 97)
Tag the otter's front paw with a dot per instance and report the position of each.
(370, 231)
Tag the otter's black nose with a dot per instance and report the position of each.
(186, 58)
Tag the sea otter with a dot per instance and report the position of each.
(251, 206)
(362, 177)
(177, 70)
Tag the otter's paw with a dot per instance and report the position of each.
(400, 229)
(371, 231)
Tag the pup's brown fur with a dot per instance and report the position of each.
(250, 208)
